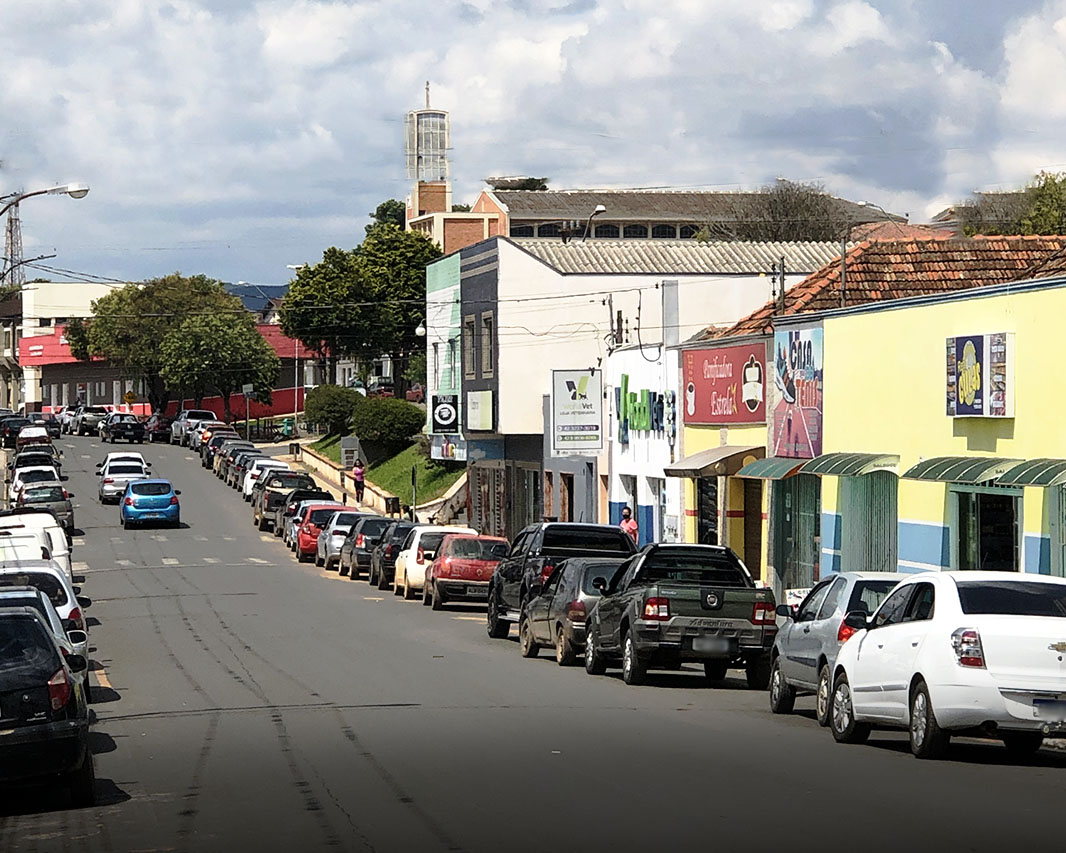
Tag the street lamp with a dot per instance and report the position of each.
(600, 209)
(73, 190)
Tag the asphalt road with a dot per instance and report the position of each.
(258, 704)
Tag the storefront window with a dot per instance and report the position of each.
(707, 510)
(987, 530)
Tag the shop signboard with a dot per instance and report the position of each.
(444, 412)
(797, 420)
(643, 410)
(577, 412)
(980, 376)
(725, 385)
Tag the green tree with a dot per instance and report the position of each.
(387, 423)
(1037, 208)
(460, 208)
(416, 368)
(389, 212)
(219, 352)
(129, 325)
(332, 406)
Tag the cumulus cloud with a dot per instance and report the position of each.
(232, 137)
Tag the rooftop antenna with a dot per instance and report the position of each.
(427, 94)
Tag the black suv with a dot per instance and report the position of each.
(387, 549)
(535, 553)
(122, 425)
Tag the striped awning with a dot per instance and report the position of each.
(851, 464)
(718, 461)
(960, 469)
(1035, 472)
(771, 468)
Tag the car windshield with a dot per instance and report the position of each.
(588, 539)
(694, 565)
(34, 460)
(125, 469)
(151, 488)
(320, 516)
(287, 481)
(200, 415)
(37, 476)
(126, 419)
(94, 410)
(47, 583)
(868, 595)
(372, 528)
(45, 495)
(28, 655)
(478, 549)
(1013, 598)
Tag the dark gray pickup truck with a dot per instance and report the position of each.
(672, 604)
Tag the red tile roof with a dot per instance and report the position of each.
(1051, 267)
(880, 270)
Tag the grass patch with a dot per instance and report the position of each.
(394, 475)
(330, 447)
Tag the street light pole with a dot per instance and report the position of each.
(295, 361)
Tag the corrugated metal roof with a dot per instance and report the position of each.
(678, 257)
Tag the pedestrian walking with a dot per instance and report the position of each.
(359, 475)
(629, 524)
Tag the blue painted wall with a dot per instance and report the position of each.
(1037, 554)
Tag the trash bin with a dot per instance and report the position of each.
(294, 448)
(392, 506)
(288, 427)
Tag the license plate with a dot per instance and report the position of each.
(713, 624)
(153, 515)
(1050, 709)
(712, 645)
(478, 591)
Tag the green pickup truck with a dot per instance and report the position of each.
(673, 604)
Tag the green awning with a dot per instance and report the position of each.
(718, 461)
(1035, 472)
(851, 464)
(771, 468)
(960, 469)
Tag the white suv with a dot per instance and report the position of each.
(184, 420)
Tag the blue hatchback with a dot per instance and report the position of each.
(148, 501)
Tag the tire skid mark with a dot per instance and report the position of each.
(191, 798)
(311, 803)
(402, 795)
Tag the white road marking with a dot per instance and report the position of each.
(71, 446)
(257, 560)
(159, 537)
(86, 456)
(170, 561)
(372, 598)
(78, 540)
(469, 618)
(124, 562)
(190, 458)
(210, 560)
(265, 538)
(78, 566)
(229, 538)
(200, 538)
(116, 538)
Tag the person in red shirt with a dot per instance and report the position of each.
(629, 524)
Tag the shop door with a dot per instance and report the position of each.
(797, 533)
(707, 510)
(987, 530)
(753, 526)
(868, 529)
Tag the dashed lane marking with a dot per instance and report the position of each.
(170, 561)
(229, 538)
(86, 456)
(116, 538)
(124, 562)
(469, 618)
(257, 560)
(210, 560)
(79, 566)
(159, 537)
(78, 540)
(200, 538)
(190, 458)
(372, 598)
(265, 538)
(71, 446)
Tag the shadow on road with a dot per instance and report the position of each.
(103, 695)
(973, 751)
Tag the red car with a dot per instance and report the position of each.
(157, 427)
(309, 525)
(462, 568)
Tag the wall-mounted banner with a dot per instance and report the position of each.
(444, 410)
(644, 411)
(479, 414)
(797, 421)
(980, 376)
(725, 385)
(448, 447)
(577, 412)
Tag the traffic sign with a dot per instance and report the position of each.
(130, 398)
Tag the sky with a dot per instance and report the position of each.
(233, 138)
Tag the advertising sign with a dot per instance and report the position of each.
(448, 447)
(643, 410)
(479, 410)
(444, 409)
(797, 422)
(980, 376)
(726, 385)
(577, 412)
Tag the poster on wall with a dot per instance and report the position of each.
(444, 409)
(577, 412)
(797, 420)
(724, 385)
(980, 376)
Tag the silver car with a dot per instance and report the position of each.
(332, 537)
(115, 476)
(807, 644)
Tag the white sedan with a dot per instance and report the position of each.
(255, 471)
(35, 474)
(976, 653)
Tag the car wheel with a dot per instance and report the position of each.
(396, 588)
(125, 524)
(408, 593)
(383, 581)
(526, 642)
(498, 628)
(262, 524)
(715, 670)
(82, 782)
(842, 716)
(1022, 743)
(427, 596)
(88, 692)
(372, 576)
(758, 674)
(564, 649)
(319, 561)
(343, 570)
(782, 695)
(439, 599)
(634, 671)
(594, 662)
(928, 740)
(822, 695)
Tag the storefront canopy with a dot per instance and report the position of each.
(960, 469)
(851, 464)
(771, 468)
(1035, 472)
(718, 461)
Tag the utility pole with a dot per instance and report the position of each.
(14, 271)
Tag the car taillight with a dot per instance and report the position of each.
(575, 610)
(388, 550)
(173, 500)
(59, 689)
(66, 494)
(844, 632)
(657, 609)
(359, 541)
(421, 556)
(763, 614)
(255, 475)
(109, 479)
(128, 502)
(968, 649)
(76, 617)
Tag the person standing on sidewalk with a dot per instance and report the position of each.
(359, 475)
(629, 524)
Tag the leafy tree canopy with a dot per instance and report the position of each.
(1037, 208)
(387, 423)
(332, 406)
(389, 212)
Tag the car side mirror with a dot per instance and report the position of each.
(857, 619)
(77, 663)
(600, 585)
(77, 637)
(177, 491)
(785, 611)
(84, 601)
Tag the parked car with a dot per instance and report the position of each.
(462, 568)
(237, 468)
(43, 706)
(308, 525)
(212, 445)
(951, 653)
(87, 420)
(225, 454)
(332, 537)
(116, 476)
(48, 420)
(182, 422)
(355, 551)
(36, 456)
(52, 497)
(194, 435)
(10, 429)
(122, 425)
(673, 604)
(50, 578)
(157, 427)
(415, 394)
(32, 434)
(22, 477)
(383, 557)
(42, 530)
(70, 642)
(558, 616)
(150, 500)
(807, 643)
(66, 418)
(381, 386)
(417, 553)
(288, 514)
(534, 553)
(258, 468)
(271, 491)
